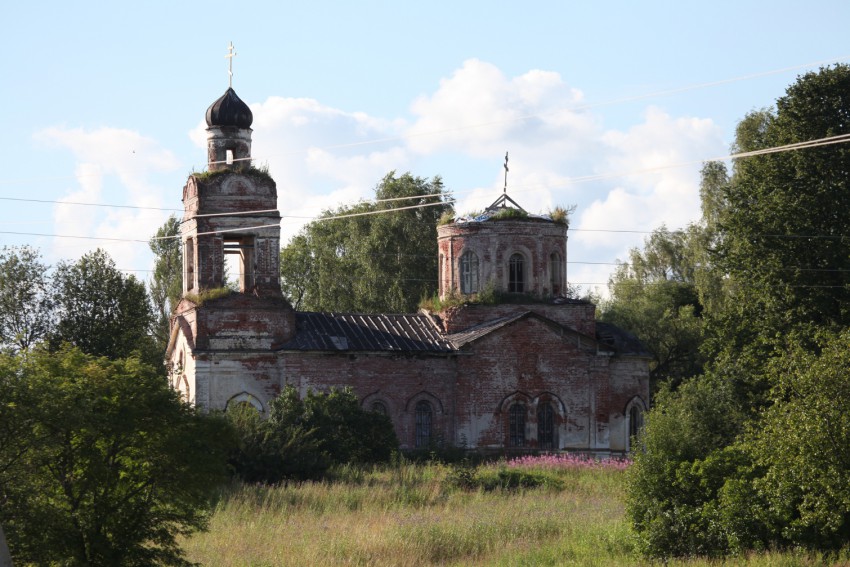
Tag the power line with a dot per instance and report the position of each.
(819, 142)
(830, 140)
(587, 106)
(572, 108)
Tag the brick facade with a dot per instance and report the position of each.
(541, 375)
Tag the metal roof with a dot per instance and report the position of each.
(417, 333)
(473, 333)
(364, 332)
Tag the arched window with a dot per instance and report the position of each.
(516, 274)
(635, 421)
(469, 272)
(545, 427)
(244, 400)
(555, 273)
(424, 418)
(516, 425)
(379, 407)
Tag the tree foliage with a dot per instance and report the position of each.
(26, 298)
(655, 297)
(115, 466)
(773, 470)
(102, 311)
(802, 447)
(383, 262)
(303, 437)
(166, 286)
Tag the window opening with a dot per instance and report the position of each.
(229, 157)
(635, 422)
(190, 264)
(379, 407)
(469, 272)
(424, 418)
(516, 425)
(555, 273)
(545, 427)
(516, 274)
(239, 255)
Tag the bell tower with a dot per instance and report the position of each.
(223, 340)
(230, 209)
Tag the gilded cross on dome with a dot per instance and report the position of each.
(230, 55)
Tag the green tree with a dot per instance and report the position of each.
(26, 298)
(372, 262)
(296, 268)
(655, 296)
(166, 286)
(17, 399)
(802, 447)
(787, 214)
(116, 467)
(102, 311)
(772, 469)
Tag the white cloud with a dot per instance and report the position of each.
(115, 167)
(323, 157)
(479, 111)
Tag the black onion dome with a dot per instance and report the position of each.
(229, 110)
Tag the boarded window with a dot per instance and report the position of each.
(469, 272)
(424, 419)
(516, 425)
(516, 274)
(545, 427)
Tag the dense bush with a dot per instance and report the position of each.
(303, 438)
(681, 465)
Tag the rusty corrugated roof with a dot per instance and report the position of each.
(364, 332)
(473, 333)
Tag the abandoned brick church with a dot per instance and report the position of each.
(542, 375)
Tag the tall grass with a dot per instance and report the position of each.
(414, 514)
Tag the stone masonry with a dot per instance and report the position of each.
(540, 374)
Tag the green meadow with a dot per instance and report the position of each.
(434, 514)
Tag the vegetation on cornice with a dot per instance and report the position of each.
(260, 173)
(558, 215)
(447, 217)
(509, 213)
(208, 295)
(487, 296)
(561, 215)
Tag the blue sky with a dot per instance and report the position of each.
(104, 103)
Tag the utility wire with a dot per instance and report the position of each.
(572, 108)
(665, 92)
(827, 141)
(830, 140)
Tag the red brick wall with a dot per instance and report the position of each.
(494, 242)
(578, 316)
(398, 381)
